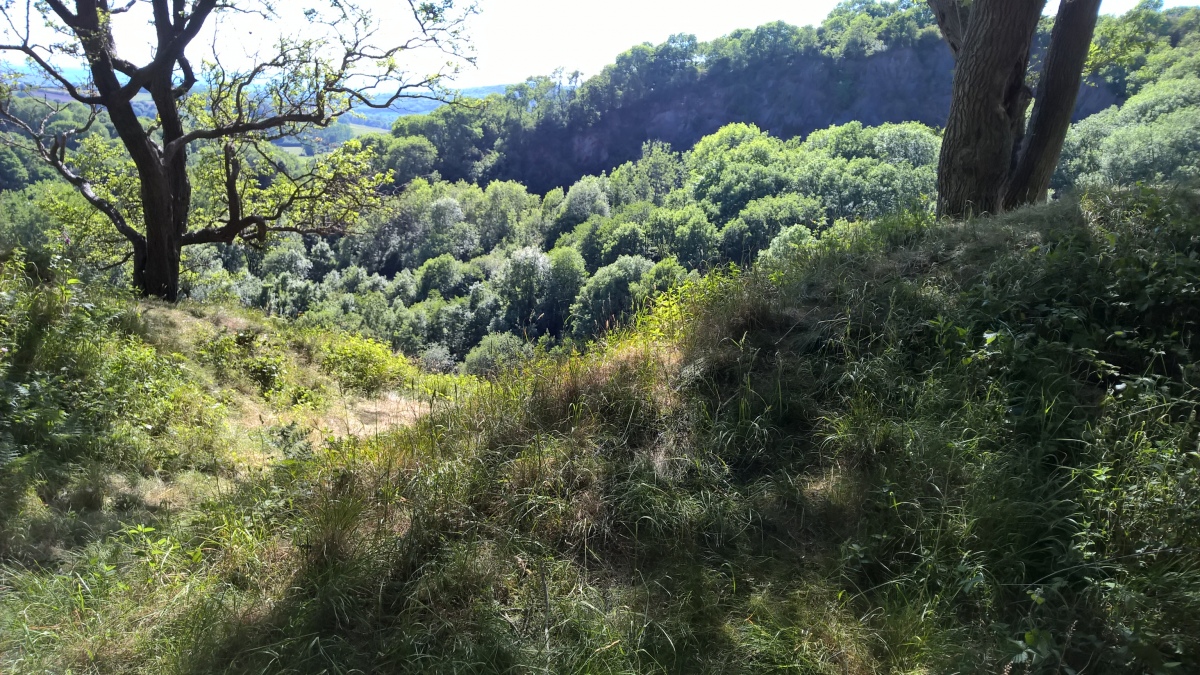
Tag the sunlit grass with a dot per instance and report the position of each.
(912, 447)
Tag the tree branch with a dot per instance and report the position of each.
(67, 16)
(171, 50)
(121, 10)
(189, 78)
(122, 261)
(953, 17)
(319, 119)
(303, 206)
(66, 84)
(55, 156)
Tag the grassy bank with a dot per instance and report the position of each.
(904, 447)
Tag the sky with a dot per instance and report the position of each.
(517, 38)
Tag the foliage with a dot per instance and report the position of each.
(608, 296)
(876, 443)
(547, 132)
(362, 365)
(449, 263)
(495, 353)
(856, 459)
(1152, 137)
(80, 387)
(442, 263)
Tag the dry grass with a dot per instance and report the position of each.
(360, 416)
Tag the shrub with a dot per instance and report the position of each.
(362, 365)
(438, 359)
(496, 352)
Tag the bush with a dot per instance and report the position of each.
(438, 359)
(495, 353)
(250, 354)
(362, 365)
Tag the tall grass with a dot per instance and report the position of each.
(912, 447)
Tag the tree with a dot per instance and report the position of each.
(443, 274)
(345, 60)
(496, 352)
(990, 160)
(410, 157)
(13, 175)
(608, 296)
(568, 274)
(521, 283)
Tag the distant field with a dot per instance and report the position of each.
(362, 129)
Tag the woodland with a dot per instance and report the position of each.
(865, 347)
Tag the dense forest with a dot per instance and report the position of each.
(681, 368)
(869, 62)
(438, 265)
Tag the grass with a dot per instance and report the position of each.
(911, 447)
(363, 129)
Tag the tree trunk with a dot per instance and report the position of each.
(164, 215)
(988, 107)
(166, 200)
(953, 17)
(1057, 92)
(160, 276)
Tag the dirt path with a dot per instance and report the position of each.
(369, 417)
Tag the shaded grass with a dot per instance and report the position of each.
(912, 447)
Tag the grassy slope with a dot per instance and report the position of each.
(908, 448)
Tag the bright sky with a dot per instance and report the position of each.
(518, 38)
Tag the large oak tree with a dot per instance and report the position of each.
(317, 65)
(995, 156)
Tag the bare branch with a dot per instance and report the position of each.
(189, 78)
(63, 13)
(170, 50)
(121, 10)
(277, 121)
(302, 208)
(52, 72)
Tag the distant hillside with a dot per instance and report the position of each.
(384, 119)
(381, 119)
(872, 62)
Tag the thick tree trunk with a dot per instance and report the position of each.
(1057, 92)
(160, 277)
(164, 214)
(166, 201)
(988, 107)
